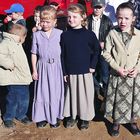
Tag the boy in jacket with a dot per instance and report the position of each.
(15, 74)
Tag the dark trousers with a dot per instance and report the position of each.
(17, 101)
(101, 75)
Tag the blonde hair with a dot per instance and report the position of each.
(48, 12)
(78, 8)
(18, 29)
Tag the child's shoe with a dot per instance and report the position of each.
(84, 125)
(9, 124)
(70, 123)
(135, 130)
(41, 124)
(26, 121)
(115, 130)
(55, 126)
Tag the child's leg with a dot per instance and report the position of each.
(11, 104)
(135, 129)
(23, 101)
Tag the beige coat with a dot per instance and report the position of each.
(118, 55)
(14, 68)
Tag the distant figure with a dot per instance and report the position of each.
(110, 12)
(14, 15)
(136, 4)
(37, 11)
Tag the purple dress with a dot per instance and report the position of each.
(49, 88)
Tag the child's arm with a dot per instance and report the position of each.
(34, 61)
(107, 53)
(5, 58)
(95, 46)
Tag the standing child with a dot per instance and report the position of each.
(80, 50)
(47, 72)
(122, 52)
(37, 18)
(14, 15)
(101, 25)
(15, 74)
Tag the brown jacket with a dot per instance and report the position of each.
(118, 55)
(14, 68)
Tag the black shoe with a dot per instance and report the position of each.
(57, 125)
(70, 123)
(41, 124)
(9, 124)
(84, 125)
(25, 121)
(135, 130)
(115, 130)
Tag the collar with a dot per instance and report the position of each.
(15, 21)
(96, 19)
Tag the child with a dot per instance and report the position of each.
(61, 16)
(15, 15)
(136, 4)
(122, 52)
(15, 74)
(80, 50)
(101, 25)
(47, 72)
(37, 18)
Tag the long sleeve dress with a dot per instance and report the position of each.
(49, 88)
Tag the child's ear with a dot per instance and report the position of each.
(55, 22)
(134, 18)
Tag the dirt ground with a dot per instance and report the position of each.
(98, 130)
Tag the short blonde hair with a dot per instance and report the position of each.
(78, 8)
(18, 29)
(48, 12)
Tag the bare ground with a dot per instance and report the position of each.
(98, 130)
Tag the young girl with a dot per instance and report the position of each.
(47, 72)
(80, 50)
(37, 19)
(122, 52)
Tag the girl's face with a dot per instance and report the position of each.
(74, 20)
(125, 19)
(37, 16)
(47, 25)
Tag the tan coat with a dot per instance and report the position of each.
(118, 55)
(14, 68)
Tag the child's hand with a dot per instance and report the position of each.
(11, 69)
(66, 78)
(132, 73)
(91, 70)
(102, 45)
(34, 29)
(35, 75)
(123, 72)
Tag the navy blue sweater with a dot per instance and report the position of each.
(79, 51)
